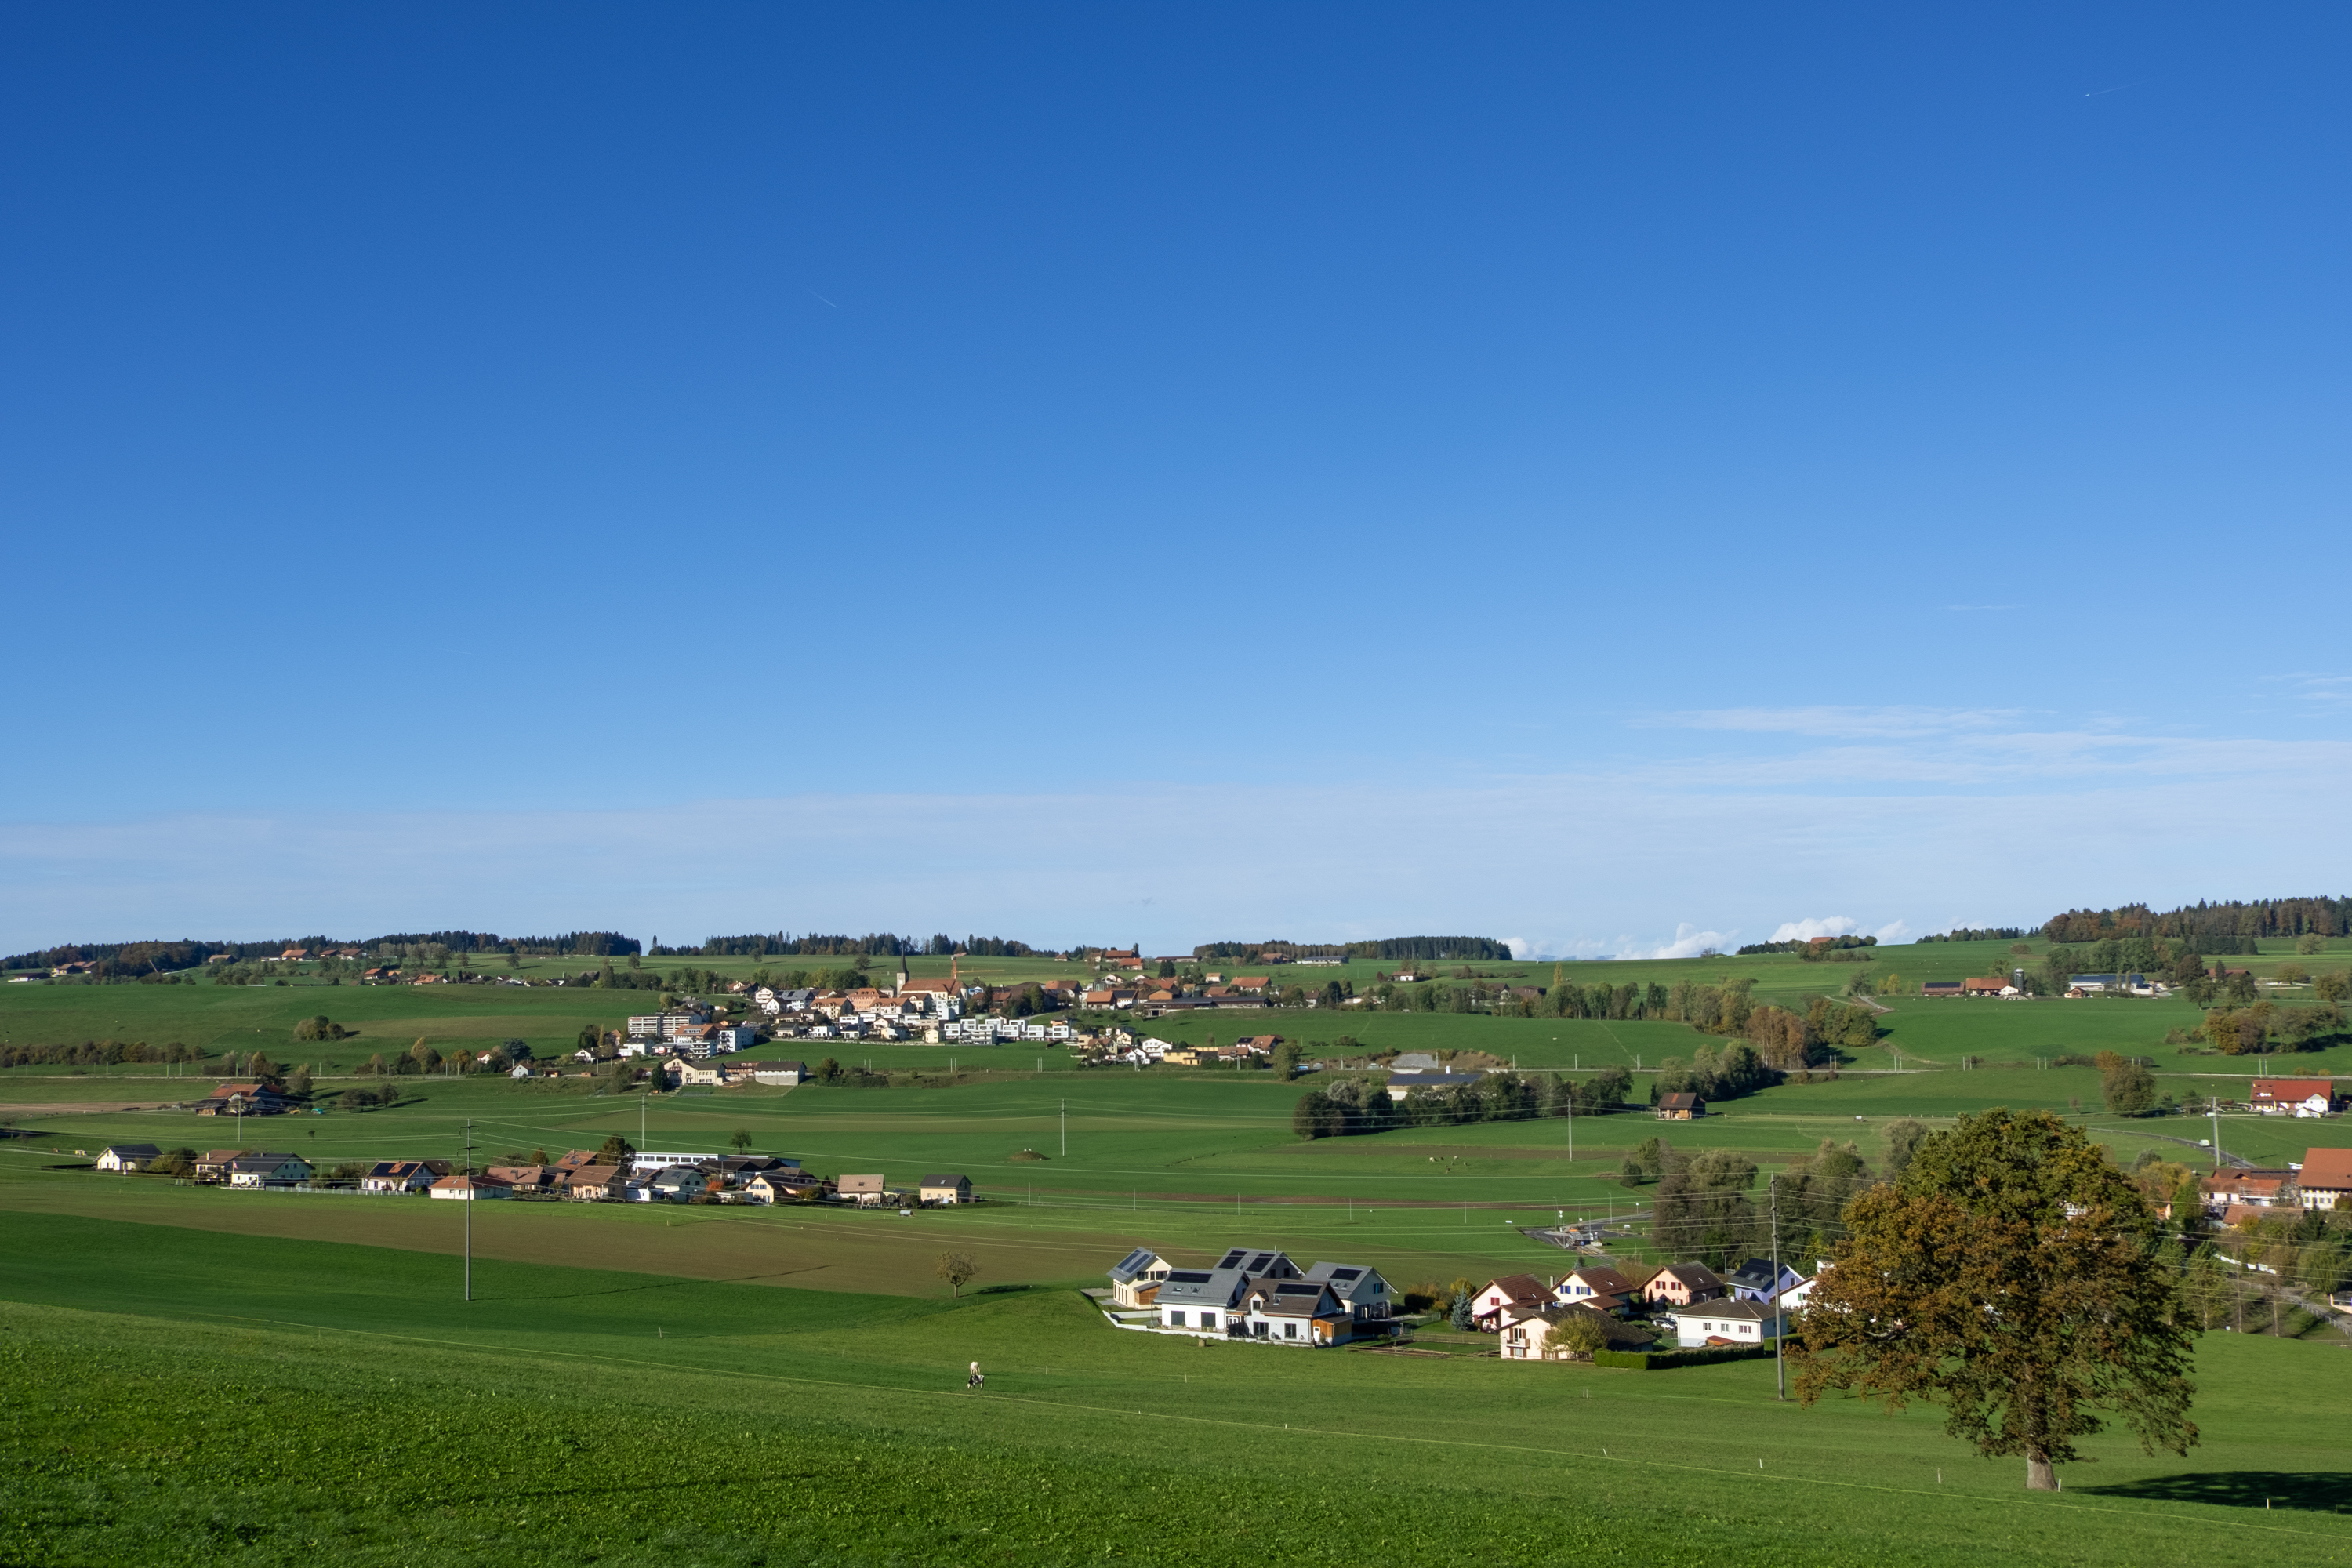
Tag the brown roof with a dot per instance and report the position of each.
(1695, 1275)
(1680, 1101)
(2266, 1183)
(1606, 1280)
(2329, 1168)
(1519, 1288)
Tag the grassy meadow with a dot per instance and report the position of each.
(180, 1396)
(196, 1374)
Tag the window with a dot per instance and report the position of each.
(1290, 1330)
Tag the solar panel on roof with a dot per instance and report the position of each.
(1346, 1273)
(1234, 1259)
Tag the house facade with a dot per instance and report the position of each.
(124, 1158)
(1759, 1279)
(1205, 1301)
(867, 1191)
(402, 1175)
(465, 1189)
(1536, 1336)
(2326, 1180)
(267, 1170)
(946, 1189)
(1714, 1323)
(1597, 1286)
(1293, 1312)
(2305, 1096)
(1362, 1291)
(1508, 1300)
(1683, 1285)
(1135, 1279)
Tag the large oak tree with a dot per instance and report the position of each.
(2013, 1276)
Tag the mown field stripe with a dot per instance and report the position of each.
(2153, 1511)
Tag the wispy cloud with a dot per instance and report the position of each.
(2314, 688)
(1896, 721)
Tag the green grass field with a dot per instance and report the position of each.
(197, 1374)
(176, 1397)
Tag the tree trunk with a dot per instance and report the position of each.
(2039, 1476)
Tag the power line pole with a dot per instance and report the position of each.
(471, 1193)
(1780, 1318)
(1065, 1127)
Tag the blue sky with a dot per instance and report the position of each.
(1608, 479)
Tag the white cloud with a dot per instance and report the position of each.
(1893, 931)
(1806, 931)
(1689, 942)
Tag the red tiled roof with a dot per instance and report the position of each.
(2329, 1168)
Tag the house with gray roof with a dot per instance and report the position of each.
(1360, 1289)
(1257, 1262)
(1135, 1279)
(1401, 1084)
(679, 1183)
(1203, 1300)
(1294, 1312)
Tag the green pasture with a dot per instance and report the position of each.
(175, 1397)
(1191, 1163)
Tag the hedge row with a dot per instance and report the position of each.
(1659, 1360)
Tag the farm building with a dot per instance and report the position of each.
(2325, 1179)
(125, 1158)
(2296, 1096)
(1681, 1106)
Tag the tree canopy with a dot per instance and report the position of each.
(2013, 1276)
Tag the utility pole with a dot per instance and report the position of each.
(1779, 1316)
(1571, 1128)
(1065, 1128)
(2213, 1105)
(471, 1191)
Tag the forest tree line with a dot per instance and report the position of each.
(2206, 925)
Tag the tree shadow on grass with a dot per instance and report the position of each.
(2317, 1492)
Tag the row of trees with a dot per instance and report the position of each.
(2263, 1027)
(782, 944)
(1353, 1106)
(97, 1052)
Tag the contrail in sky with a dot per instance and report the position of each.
(814, 295)
(2126, 87)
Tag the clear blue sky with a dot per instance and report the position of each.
(1579, 474)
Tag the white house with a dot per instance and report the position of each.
(252, 1170)
(125, 1158)
(402, 1175)
(465, 1188)
(1727, 1323)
